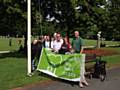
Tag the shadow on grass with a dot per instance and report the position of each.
(14, 54)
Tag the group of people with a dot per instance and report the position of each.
(57, 43)
(61, 45)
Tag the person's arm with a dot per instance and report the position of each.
(82, 48)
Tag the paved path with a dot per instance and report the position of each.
(111, 83)
(4, 51)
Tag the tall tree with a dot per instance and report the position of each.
(86, 16)
(13, 17)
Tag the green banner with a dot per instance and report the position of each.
(63, 66)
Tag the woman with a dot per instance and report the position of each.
(65, 47)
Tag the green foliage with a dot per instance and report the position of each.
(94, 16)
(91, 16)
(13, 17)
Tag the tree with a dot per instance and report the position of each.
(58, 13)
(13, 17)
(114, 13)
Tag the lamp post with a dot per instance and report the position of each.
(29, 38)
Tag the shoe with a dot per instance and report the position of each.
(81, 85)
(85, 83)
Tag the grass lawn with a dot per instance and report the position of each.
(4, 44)
(94, 42)
(13, 73)
(113, 60)
(13, 67)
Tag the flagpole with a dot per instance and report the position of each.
(29, 37)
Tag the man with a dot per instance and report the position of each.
(57, 43)
(77, 45)
(33, 53)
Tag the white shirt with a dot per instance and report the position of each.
(57, 45)
(52, 42)
(47, 44)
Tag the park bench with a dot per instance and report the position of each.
(95, 66)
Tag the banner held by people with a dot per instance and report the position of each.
(63, 66)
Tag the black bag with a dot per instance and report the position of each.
(100, 69)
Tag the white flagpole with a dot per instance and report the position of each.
(29, 37)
